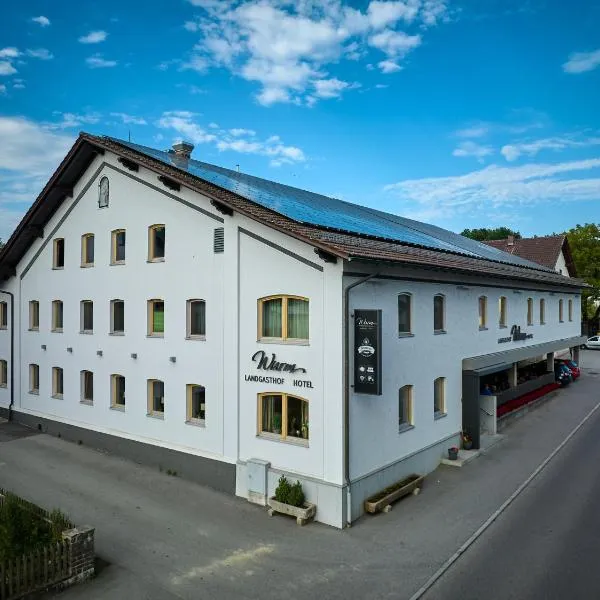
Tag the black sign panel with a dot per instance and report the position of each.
(367, 352)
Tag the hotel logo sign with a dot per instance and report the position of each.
(516, 335)
(367, 352)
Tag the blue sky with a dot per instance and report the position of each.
(471, 113)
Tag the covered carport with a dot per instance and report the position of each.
(474, 407)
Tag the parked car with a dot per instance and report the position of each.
(572, 365)
(592, 343)
(562, 376)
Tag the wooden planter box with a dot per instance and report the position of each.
(303, 513)
(383, 500)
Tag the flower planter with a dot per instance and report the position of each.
(467, 445)
(303, 513)
(383, 500)
(453, 453)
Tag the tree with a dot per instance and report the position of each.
(484, 234)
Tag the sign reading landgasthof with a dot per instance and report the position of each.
(367, 352)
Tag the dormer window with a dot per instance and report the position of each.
(103, 193)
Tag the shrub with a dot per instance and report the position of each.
(296, 495)
(283, 489)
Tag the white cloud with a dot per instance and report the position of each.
(239, 132)
(129, 119)
(195, 63)
(381, 86)
(2, 89)
(500, 187)
(433, 11)
(191, 26)
(389, 66)
(331, 88)
(474, 131)
(41, 20)
(471, 149)
(11, 52)
(394, 43)
(98, 62)
(93, 37)
(580, 62)
(182, 122)
(6, 68)
(382, 14)
(70, 120)
(19, 85)
(41, 53)
(513, 151)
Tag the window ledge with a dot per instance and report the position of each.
(57, 396)
(283, 342)
(405, 427)
(87, 402)
(196, 422)
(87, 332)
(502, 326)
(407, 334)
(483, 328)
(156, 260)
(36, 329)
(118, 407)
(156, 415)
(439, 332)
(87, 266)
(118, 263)
(117, 333)
(3, 327)
(58, 268)
(274, 437)
(56, 330)
(3, 385)
(439, 415)
(200, 338)
(156, 335)
(34, 392)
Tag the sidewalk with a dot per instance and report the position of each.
(167, 538)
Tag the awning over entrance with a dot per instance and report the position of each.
(497, 361)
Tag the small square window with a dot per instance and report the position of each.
(156, 398)
(117, 391)
(3, 315)
(156, 243)
(34, 315)
(34, 379)
(196, 403)
(117, 252)
(156, 318)
(57, 382)
(87, 387)
(117, 316)
(196, 319)
(59, 253)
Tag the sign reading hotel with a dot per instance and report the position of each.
(515, 335)
(367, 352)
(264, 362)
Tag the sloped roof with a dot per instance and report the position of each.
(542, 250)
(342, 229)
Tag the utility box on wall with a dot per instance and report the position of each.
(257, 472)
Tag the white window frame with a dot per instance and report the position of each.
(55, 305)
(441, 410)
(34, 374)
(84, 399)
(58, 376)
(407, 401)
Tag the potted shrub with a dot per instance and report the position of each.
(276, 423)
(467, 442)
(289, 500)
(453, 453)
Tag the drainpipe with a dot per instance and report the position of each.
(12, 351)
(347, 393)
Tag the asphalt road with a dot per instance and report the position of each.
(546, 544)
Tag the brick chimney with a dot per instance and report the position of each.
(509, 242)
(183, 149)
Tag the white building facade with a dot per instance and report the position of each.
(188, 330)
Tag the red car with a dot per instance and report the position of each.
(572, 365)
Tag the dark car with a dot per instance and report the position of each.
(562, 375)
(572, 366)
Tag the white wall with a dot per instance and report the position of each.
(561, 265)
(8, 286)
(420, 359)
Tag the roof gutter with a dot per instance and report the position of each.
(346, 310)
(12, 351)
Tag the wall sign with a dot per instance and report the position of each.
(367, 352)
(265, 362)
(515, 335)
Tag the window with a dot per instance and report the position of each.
(87, 387)
(405, 407)
(34, 315)
(542, 311)
(196, 319)
(284, 417)
(103, 193)
(283, 318)
(3, 315)
(57, 316)
(117, 252)
(34, 379)
(439, 399)
(561, 310)
(196, 403)
(156, 318)
(482, 312)
(117, 317)
(502, 311)
(156, 243)
(57, 382)
(438, 313)
(404, 313)
(58, 260)
(87, 250)
(529, 311)
(117, 391)
(87, 316)
(3, 373)
(570, 310)
(156, 398)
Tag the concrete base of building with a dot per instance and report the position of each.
(216, 474)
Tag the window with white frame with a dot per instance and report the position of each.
(117, 391)
(57, 316)
(502, 303)
(34, 315)
(196, 319)
(3, 373)
(404, 313)
(87, 387)
(439, 316)
(439, 396)
(3, 315)
(57, 382)
(87, 250)
(561, 310)
(156, 243)
(117, 317)
(542, 311)
(529, 311)
(34, 379)
(283, 318)
(570, 310)
(156, 398)
(87, 316)
(156, 318)
(482, 312)
(58, 255)
(283, 417)
(405, 408)
(196, 403)
(117, 247)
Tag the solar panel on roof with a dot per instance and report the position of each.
(322, 211)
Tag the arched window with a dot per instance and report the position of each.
(103, 193)
(502, 311)
(156, 243)
(482, 312)
(87, 250)
(570, 310)
(404, 313)
(529, 311)
(117, 391)
(439, 316)
(542, 311)
(283, 417)
(439, 397)
(283, 318)
(156, 398)
(561, 310)
(87, 387)
(196, 403)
